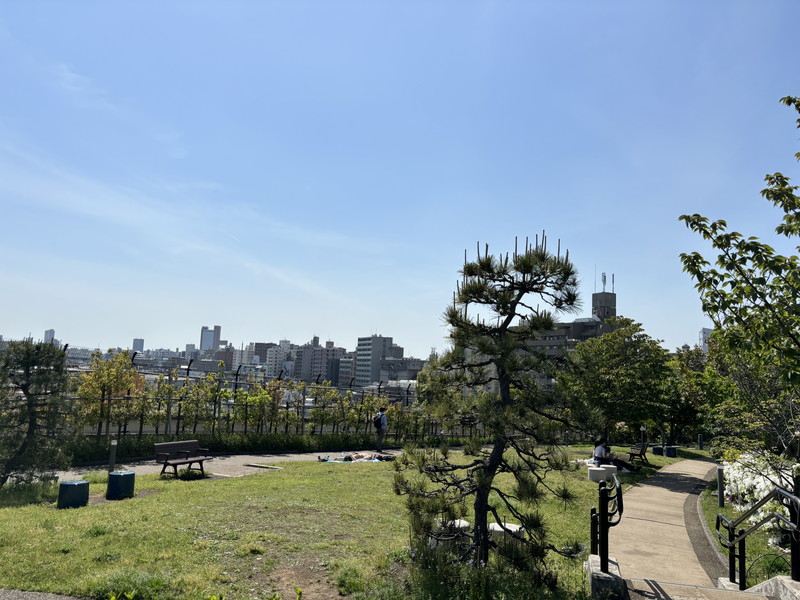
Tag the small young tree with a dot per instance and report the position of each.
(35, 411)
(493, 366)
(108, 380)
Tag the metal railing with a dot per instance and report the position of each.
(734, 538)
(607, 516)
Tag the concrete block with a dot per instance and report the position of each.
(610, 470)
(496, 531)
(597, 474)
(609, 585)
(778, 587)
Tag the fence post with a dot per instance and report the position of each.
(593, 534)
(720, 486)
(794, 545)
(742, 564)
(603, 526)
(731, 555)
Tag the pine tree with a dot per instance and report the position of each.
(35, 411)
(493, 370)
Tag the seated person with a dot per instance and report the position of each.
(358, 456)
(603, 456)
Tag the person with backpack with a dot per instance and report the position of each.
(381, 424)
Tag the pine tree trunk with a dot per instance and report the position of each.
(481, 505)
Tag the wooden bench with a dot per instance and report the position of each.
(638, 451)
(186, 452)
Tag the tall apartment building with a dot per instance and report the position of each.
(705, 337)
(302, 360)
(370, 351)
(138, 345)
(313, 362)
(347, 370)
(278, 357)
(49, 336)
(210, 338)
(260, 350)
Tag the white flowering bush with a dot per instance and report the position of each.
(751, 477)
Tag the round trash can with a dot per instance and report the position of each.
(671, 452)
(73, 494)
(120, 485)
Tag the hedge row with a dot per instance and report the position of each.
(89, 450)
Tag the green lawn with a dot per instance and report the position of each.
(316, 526)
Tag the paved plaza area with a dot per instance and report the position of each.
(226, 465)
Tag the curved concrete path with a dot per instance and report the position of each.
(652, 541)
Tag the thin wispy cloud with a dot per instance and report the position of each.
(82, 90)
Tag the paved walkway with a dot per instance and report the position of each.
(652, 541)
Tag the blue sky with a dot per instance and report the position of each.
(291, 169)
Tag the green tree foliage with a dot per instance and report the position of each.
(621, 376)
(689, 392)
(35, 411)
(751, 407)
(198, 401)
(492, 369)
(751, 294)
(108, 383)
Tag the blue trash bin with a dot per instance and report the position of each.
(671, 451)
(658, 450)
(120, 485)
(73, 494)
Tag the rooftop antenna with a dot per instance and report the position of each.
(604, 283)
(612, 283)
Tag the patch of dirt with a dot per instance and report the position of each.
(311, 578)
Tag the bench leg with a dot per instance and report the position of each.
(200, 465)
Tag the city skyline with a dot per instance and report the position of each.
(288, 170)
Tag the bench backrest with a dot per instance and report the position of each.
(173, 448)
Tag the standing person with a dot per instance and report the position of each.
(381, 424)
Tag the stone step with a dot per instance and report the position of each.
(647, 589)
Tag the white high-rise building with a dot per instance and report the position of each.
(705, 335)
(49, 336)
(370, 351)
(277, 357)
